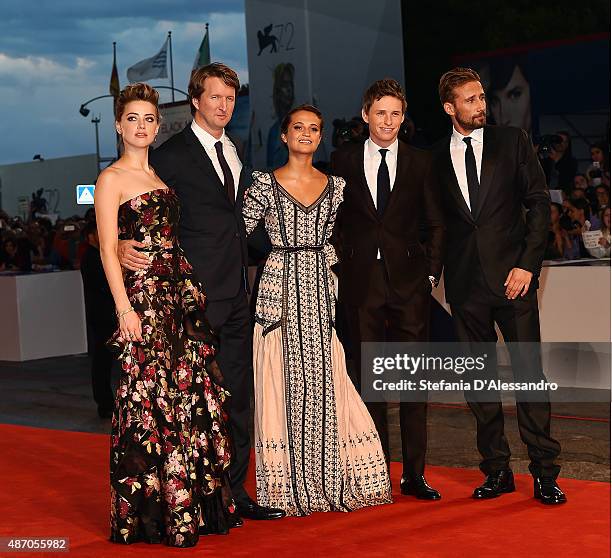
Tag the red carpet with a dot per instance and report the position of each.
(55, 484)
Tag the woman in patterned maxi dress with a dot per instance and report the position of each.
(169, 445)
(316, 446)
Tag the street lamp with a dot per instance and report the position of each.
(85, 112)
(95, 121)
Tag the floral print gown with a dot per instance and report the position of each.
(316, 446)
(170, 449)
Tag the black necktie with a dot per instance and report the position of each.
(228, 177)
(472, 174)
(383, 189)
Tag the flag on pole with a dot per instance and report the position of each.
(113, 87)
(203, 55)
(150, 68)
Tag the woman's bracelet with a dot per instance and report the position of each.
(121, 314)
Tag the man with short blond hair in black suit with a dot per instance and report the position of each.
(497, 213)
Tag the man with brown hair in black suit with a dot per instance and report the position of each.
(497, 212)
(385, 272)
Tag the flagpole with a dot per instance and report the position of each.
(117, 138)
(171, 65)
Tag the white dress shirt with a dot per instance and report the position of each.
(457, 151)
(229, 152)
(371, 163)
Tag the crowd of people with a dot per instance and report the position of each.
(36, 244)
(582, 204)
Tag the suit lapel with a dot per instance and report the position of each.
(490, 151)
(450, 177)
(363, 183)
(401, 172)
(243, 185)
(242, 179)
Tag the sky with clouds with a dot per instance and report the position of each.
(57, 54)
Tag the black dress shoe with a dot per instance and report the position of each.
(547, 491)
(251, 510)
(496, 484)
(234, 520)
(417, 486)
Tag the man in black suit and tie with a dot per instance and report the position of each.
(202, 165)
(385, 272)
(497, 216)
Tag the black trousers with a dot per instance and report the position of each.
(385, 316)
(518, 321)
(101, 360)
(231, 321)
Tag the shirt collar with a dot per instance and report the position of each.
(373, 149)
(476, 135)
(206, 139)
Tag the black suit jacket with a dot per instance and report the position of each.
(211, 229)
(510, 225)
(359, 232)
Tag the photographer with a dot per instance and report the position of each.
(560, 166)
(348, 131)
(599, 171)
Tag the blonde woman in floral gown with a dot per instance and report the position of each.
(169, 445)
(316, 446)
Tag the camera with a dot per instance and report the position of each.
(348, 131)
(547, 143)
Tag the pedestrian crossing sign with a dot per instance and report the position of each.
(85, 194)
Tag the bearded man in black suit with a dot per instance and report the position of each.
(497, 213)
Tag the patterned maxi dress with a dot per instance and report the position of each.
(169, 446)
(316, 446)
